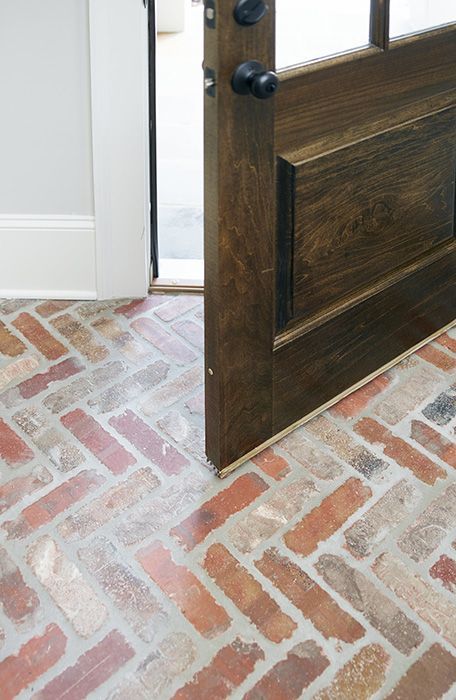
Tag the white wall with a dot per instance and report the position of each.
(45, 120)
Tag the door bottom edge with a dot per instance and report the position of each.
(222, 473)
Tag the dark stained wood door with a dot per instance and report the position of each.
(330, 222)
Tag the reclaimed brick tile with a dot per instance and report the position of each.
(315, 461)
(33, 659)
(131, 596)
(88, 310)
(149, 443)
(13, 449)
(191, 332)
(84, 386)
(80, 338)
(443, 409)
(188, 436)
(17, 369)
(157, 672)
(430, 677)
(361, 677)
(359, 400)
(141, 306)
(170, 346)
(52, 504)
(272, 464)
(434, 442)
(122, 340)
(444, 569)
(346, 448)
(10, 345)
(185, 590)
(409, 393)
(313, 601)
(436, 357)
(431, 606)
(10, 306)
(363, 596)
(173, 391)
(178, 306)
(376, 524)
(50, 308)
(288, 678)
(130, 388)
(212, 514)
(427, 532)
(247, 594)
(20, 603)
(225, 673)
(447, 342)
(401, 451)
(324, 520)
(59, 450)
(90, 671)
(40, 382)
(262, 522)
(150, 517)
(196, 404)
(67, 587)
(44, 342)
(100, 443)
(109, 505)
(16, 489)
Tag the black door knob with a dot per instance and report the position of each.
(248, 12)
(253, 78)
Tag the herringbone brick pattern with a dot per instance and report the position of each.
(325, 568)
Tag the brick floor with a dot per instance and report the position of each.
(323, 568)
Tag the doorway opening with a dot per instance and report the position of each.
(179, 132)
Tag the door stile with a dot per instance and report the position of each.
(239, 238)
(380, 23)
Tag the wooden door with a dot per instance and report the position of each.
(330, 221)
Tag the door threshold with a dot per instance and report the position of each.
(186, 275)
(271, 441)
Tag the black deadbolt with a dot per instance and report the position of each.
(248, 12)
(253, 78)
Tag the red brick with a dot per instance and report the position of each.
(247, 594)
(272, 464)
(49, 506)
(9, 344)
(92, 669)
(149, 443)
(14, 371)
(288, 679)
(19, 601)
(32, 329)
(447, 342)
(122, 340)
(49, 308)
(140, 306)
(109, 505)
(437, 358)
(227, 670)
(12, 447)
(429, 678)
(16, 489)
(170, 346)
(185, 590)
(218, 509)
(34, 658)
(130, 595)
(445, 570)
(41, 382)
(178, 306)
(191, 332)
(100, 443)
(315, 603)
(359, 400)
(434, 442)
(324, 520)
(80, 337)
(196, 404)
(399, 450)
(359, 678)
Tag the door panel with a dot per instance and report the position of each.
(330, 222)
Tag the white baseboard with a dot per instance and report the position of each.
(47, 257)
